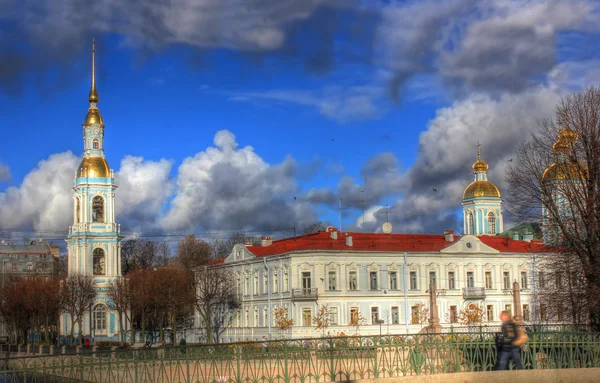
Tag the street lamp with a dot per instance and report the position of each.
(380, 322)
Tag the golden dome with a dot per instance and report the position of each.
(481, 189)
(480, 166)
(564, 171)
(93, 167)
(93, 117)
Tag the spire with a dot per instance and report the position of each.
(479, 166)
(478, 150)
(93, 97)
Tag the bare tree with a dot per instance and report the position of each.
(192, 252)
(120, 296)
(221, 247)
(216, 299)
(315, 227)
(76, 298)
(142, 254)
(556, 180)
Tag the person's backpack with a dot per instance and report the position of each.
(521, 337)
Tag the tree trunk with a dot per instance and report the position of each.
(144, 335)
(174, 324)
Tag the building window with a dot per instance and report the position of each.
(265, 317)
(77, 210)
(97, 209)
(432, 278)
(451, 280)
(29, 267)
(490, 313)
(413, 280)
(306, 317)
(471, 224)
(526, 312)
(373, 280)
(374, 315)
(488, 279)
(275, 282)
(306, 281)
(393, 280)
(414, 315)
(542, 280)
(506, 280)
(265, 283)
(491, 223)
(100, 318)
(453, 314)
(98, 261)
(470, 279)
(332, 280)
(14, 267)
(352, 280)
(508, 307)
(543, 311)
(95, 143)
(286, 281)
(246, 285)
(353, 314)
(255, 317)
(395, 315)
(333, 315)
(524, 284)
(256, 284)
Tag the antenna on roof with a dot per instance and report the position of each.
(362, 202)
(341, 215)
(387, 213)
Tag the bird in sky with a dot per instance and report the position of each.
(510, 160)
(434, 189)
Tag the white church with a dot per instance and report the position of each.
(93, 243)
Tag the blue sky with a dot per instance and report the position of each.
(333, 98)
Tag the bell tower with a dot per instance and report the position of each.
(93, 243)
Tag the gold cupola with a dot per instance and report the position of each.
(93, 116)
(480, 187)
(564, 168)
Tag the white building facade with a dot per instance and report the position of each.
(93, 243)
(384, 277)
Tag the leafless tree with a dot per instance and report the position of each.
(221, 247)
(216, 299)
(142, 254)
(192, 252)
(315, 227)
(556, 181)
(120, 295)
(76, 298)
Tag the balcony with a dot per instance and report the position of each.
(309, 294)
(473, 293)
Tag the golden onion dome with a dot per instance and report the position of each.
(564, 171)
(93, 167)
(480, 166)
(481, 189)
(93, 117)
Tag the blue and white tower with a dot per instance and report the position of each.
(93, 243)
(482, 205)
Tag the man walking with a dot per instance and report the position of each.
(506, 348)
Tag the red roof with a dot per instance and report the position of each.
(386, 242)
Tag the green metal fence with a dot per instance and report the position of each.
(305, 360)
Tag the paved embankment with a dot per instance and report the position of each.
(579, 375)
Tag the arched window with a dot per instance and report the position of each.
(98, 261)
(492, 223)
(98, 209)
(77, 210)
(100, 318)
(471, 224)
(95, 144)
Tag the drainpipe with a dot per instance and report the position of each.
(269, 293)
(405, 292)
(535, 299)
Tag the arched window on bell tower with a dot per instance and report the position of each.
(471, 224)
(77, 210)
(491, 223)
(98, 209)
(95, 144)
(99, 261)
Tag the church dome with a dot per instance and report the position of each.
(94, 167)
(93, 117)
(480, 166)
(481, 189)
(564, 171)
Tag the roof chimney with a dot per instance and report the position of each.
(248, 243)
(348, 239)
(515, 235)
(26, 241)
(266, 241)
(527, 237)
(333, 233)
(449, 235)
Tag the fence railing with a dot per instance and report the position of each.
(305, 360)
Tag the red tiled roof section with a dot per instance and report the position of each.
(384, 242)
